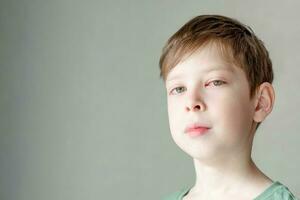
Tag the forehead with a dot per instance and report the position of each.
(205, 60)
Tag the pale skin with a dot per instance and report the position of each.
(220, 99)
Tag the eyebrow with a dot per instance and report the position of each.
(204, 71)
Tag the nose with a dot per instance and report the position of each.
(194, 103)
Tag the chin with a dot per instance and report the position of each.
(199, 151)
(196, 152)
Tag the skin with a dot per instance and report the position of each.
(219, 99)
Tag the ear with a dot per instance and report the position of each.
(265, 98)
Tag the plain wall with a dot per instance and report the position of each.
(83, 111)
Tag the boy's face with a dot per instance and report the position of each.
(223, 105)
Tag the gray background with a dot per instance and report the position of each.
(83, 111)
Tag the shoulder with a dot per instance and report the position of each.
(283, 193)
(177, 195)
(278, 191)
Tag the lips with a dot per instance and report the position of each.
(196, 129)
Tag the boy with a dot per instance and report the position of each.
(218, 77)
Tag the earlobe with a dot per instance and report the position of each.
(265, 101)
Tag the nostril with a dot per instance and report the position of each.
(194, 107)
(197, 106)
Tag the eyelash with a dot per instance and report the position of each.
(223, 82)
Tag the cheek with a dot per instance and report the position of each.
(174, 115)
(173, 107)
(232, 113)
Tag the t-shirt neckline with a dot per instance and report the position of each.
(268, 191)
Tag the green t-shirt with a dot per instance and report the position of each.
(276, 191)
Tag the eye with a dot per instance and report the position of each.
(217, 82)
(177, 89)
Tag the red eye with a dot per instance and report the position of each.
(217, 82)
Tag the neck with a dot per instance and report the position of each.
(236, 175)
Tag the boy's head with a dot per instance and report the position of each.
(218, 74)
